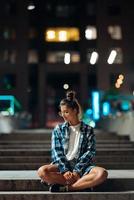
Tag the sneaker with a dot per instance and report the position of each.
(57, 188)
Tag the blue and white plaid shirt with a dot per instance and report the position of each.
(86, 149)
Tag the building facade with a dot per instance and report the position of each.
(60, 45)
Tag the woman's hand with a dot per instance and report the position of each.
(76, 176)
(71, 177)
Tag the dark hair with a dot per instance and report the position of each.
(70, 101)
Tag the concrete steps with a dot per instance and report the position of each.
(28, 149)
(65, 196)
(25, 185)
(22, 180)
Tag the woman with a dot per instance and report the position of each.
(73, 150)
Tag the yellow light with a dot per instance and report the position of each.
(75, 58)
(119, 81)
(50, 35)
(121, 76)
(62, 34)
(117, 85)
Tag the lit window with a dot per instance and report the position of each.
(92, 56)
(12, 57)
(75, 57)
(115, 56)
(67, 58)
(62, 34)
(51, 35)
(9, 56)
(91, 33)
(32, 57)
(63, 57)
(115, 32)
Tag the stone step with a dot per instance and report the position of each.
(43, 151)
(34, 166)
(118, 180)
(99, 141)
(47, 135)
(34, 195)
(36, 159)
(46, 145)
(46, 159)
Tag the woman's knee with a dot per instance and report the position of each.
(102, 174)
(43, 171)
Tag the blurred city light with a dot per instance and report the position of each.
(67, 58)
(31, 6)
(105, 108)
(90, 33)
(94, 58)
(65, 86)
(119, 81)
(10, 99)
(51, 34)
(61, 34)
(121, 76)
(96, 105)
(117, 85)
(112, 57)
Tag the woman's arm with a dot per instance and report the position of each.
(57, 151)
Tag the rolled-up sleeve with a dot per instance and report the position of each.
(57, 151)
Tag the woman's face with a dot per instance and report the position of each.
(68, 114)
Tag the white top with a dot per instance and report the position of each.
(73, 142)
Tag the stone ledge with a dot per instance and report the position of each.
(65, 196)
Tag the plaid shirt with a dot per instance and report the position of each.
(86, 149)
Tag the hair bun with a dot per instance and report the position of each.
(70, 95)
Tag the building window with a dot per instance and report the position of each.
(64, 10)
(8, 81)
(9, 33)
(92, 56)
(8, 56)
(115, 56)
(32, 33)
(115, 32)
(91, 33)
(63, 57)
(114, 10)
(33, 56)
(62, 34)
